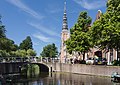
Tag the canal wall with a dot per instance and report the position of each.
(9, 68)
(100, 70)
(86, 69)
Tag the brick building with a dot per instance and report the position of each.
(110, 54)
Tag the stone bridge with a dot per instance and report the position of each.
(15, 67)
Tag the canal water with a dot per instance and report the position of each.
(61, 79)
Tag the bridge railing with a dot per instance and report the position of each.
(28, 59)
(47, 60)
(16, 59)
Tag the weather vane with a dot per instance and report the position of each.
(65, 1)
(65, 5)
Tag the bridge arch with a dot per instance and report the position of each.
(42, 67)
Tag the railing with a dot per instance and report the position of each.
(17, 59)
(28, 59)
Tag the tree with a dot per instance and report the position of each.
(113, 14)
(79, 40)
(26, 44)
(105, 32)
(2, 29)
(31, 52)
(49, 51)
(8, 45)
(3, 53)
(21, 53)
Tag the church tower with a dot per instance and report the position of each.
(64, 36)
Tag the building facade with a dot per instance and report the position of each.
(109, 54)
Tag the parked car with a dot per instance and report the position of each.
(90, 61)
(99, 61)
(102, 61)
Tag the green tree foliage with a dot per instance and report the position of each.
(105, 32)
(9, 49)
(31, 52)
(21, 53)
(13, 54)
(79, 40)
(26, 44)
(49, 51)
(8, 45)
(3, 53)
(2, 29)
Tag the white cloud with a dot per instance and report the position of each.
(54, 10)
(91, 4)
(25, 8)
(35, 43)
(44, 29)
(41, 37)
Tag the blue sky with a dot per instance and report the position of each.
(42, 19)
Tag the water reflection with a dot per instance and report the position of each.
(63, 79)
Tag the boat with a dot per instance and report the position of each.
(115, 77)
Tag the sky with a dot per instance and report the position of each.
(42, 19)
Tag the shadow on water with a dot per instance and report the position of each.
(58, 79)
(28, 73)
(21, 79)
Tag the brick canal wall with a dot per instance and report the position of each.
(86, 69)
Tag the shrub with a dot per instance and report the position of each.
(116, 63)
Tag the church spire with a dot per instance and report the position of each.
(65, 25)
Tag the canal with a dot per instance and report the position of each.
(60, 79)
